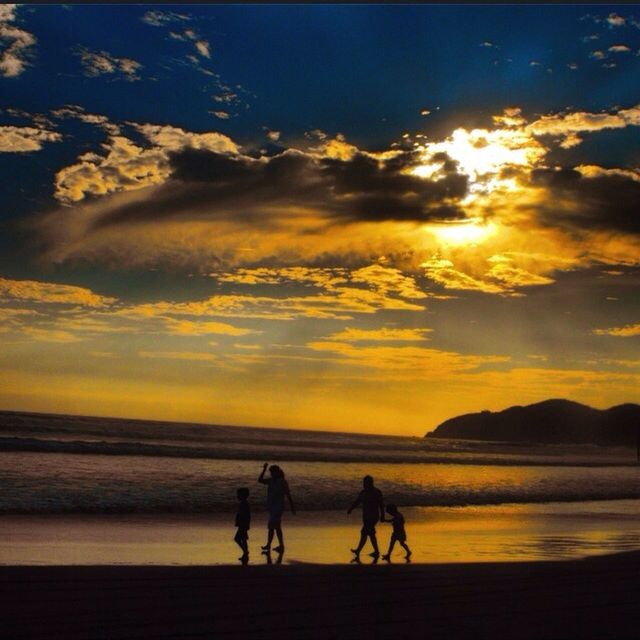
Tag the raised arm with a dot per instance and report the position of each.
(261, 476)
(356, 502)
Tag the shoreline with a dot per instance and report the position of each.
(591, 598)
(500, 533)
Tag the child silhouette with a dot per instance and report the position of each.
(398, 534)
(243, 522)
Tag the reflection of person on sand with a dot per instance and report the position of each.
(398, 534)
(243, 522)
(372, 507)
(277, 489)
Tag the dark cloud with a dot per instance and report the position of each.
(209, 185)
(602, 202)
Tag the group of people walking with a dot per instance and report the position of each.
(369, 499)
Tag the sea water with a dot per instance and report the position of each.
(463, 501)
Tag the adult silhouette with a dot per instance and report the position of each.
(372, 510)
(277, 489)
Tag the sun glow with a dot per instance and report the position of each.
(481, 154)
(464, 233)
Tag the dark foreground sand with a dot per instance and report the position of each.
(593, 598)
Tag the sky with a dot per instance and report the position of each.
(349, 217)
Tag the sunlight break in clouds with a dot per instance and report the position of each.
(472, 210)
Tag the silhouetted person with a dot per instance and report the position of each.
(372, 511)
(243, 522)
(398, 534)
(277, 489)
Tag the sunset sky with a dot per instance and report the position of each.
(363, 218)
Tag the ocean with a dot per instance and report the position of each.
(91, 490)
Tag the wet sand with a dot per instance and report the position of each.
(598, 597)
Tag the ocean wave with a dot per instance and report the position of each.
(319, 452)
(62, 483)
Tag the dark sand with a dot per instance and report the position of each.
(593, 598)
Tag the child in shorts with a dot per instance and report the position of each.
(398, 534)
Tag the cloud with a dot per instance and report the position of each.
(404, 362)
(324, 278)
(49, 292)
(604, 200)
(15, 44)
(192, 356)
(619, 48)
(598, 55)
(378, 278)
(626, 331)
(203, 179)
(568, 124)
(127, 167)
(388, 280)
(336, 295)
(203, 328)
(443, 272)
(25, 139)
(202, 47)
(77, 112)
(503, 277)
(222, 115)
(615, 20)
(385, 334)
(198, 201)
(50, 335)
(98, 63)
(157, 18)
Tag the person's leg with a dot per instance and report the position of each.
(392, 543)
(363, 539)
(280, 546)
(405, 546)
(374, 544)
(269, 539)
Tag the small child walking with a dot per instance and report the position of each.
(243, 522)
(398, 534)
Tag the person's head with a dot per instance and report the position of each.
(243, 494)
(392, 510)
(367, 482)
(276, 471)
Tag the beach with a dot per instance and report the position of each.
(137, 542)
(592, 598)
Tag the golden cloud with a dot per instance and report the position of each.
(626, 331)
(179, 355)
(49, 292)
(384, 334)
(406, 361)
(475, 209)
(25, 139)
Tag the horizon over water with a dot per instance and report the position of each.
(83, 490)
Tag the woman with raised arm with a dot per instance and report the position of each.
(277, 489)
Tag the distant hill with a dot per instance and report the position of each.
(551, 421)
